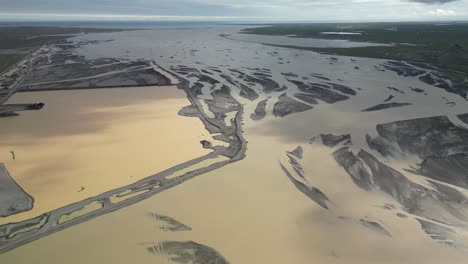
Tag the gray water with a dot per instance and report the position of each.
(303, 42)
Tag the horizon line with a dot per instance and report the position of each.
(60, 17)
(237, 21)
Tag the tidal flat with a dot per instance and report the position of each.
(270, 222)
(300, 172)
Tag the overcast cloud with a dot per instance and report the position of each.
(263, 10)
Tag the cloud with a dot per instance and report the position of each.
(431, 2)
(443, 12)
(272, 10)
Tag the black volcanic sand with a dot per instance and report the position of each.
(443, 148)
(428, 76)
(188, 252)
(437, 53)
(331, 140)
(169, 223)
(375, 227)
(11, 109)
(286, 106)
(219, 105)
(424, 137)
(66, 70)
(313, 193)
(384, 106)
(13, 199)
(463, 118)
(300, 181)
(259, 112)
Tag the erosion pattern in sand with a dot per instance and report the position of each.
(399, 132)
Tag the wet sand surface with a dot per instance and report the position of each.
(84, 143)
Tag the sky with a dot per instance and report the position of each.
(235, 10)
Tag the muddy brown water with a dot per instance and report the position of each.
(96, 139)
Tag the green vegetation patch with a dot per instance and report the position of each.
(87, 209)
(439, 46)
(29, 227)
(442, 45)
